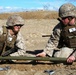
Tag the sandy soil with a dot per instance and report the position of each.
(32, 32)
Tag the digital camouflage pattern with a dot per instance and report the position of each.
(67, 10)
(15, 20)
(20, 43)
(53, 40)
(52, 48)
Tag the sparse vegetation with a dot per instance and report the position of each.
(33, 14)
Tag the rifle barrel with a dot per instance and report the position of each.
(46, 35)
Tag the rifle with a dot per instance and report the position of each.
(8, 52)
(46, 35)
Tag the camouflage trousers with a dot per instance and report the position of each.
(63, 52)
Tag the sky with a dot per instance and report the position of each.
(15, 5)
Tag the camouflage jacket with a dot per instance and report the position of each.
(54, 39)
(20, 43)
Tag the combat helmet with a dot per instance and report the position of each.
(14, 20)
(67, 9)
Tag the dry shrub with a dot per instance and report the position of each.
(33, 14)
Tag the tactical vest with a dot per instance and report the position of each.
(4, 43)
(68, 36)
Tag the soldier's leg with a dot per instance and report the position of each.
(64, 52)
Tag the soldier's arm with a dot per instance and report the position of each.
(51, 45)
(52, 42)
(72, 57)
(20, 43)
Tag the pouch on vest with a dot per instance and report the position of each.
(2, 39)
(4, 43)
(69, 36)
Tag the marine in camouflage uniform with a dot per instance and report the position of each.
(58, 45)
(11, 40)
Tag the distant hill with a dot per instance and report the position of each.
(33, 14)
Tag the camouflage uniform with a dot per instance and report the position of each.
(19, 42)
(21, 46)
(52, 46)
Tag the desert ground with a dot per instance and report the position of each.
(32, 31)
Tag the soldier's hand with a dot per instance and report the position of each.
(71, 59)
(43, 54)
